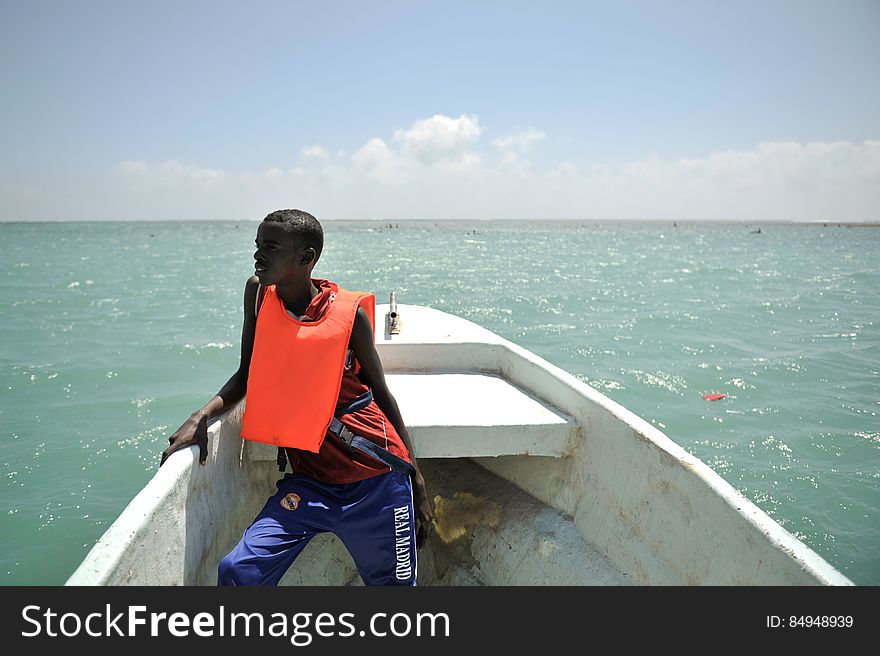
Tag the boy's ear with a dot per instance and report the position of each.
(308, 255)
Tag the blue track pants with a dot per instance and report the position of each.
(373, 518)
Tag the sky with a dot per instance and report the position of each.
(193, 110)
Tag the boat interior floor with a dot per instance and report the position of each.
(487, 531)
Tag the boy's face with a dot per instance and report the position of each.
(279, 259)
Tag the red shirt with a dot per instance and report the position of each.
(335, 462)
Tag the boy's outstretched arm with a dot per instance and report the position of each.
(195, 429)
(373, 374)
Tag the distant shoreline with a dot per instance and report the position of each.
(493, 221)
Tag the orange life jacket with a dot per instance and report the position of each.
(296, 370)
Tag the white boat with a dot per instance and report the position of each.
(538, 479)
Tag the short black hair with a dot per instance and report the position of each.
(303, 226)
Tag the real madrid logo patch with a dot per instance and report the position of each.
(291, 501)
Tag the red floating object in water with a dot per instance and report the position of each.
(714, 397)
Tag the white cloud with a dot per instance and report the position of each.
(437, 169)
(439, 138)
(512, 149)
(465, 162)
(376, 162)
(315, 152)
(778, 180)
(439, 144)
(521, 140)
(565, 169)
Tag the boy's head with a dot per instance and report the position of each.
(289, 243)
(302, 226)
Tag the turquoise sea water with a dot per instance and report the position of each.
(114, 332)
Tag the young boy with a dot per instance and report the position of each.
(300, 337)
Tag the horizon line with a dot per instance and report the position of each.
(860, 222)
